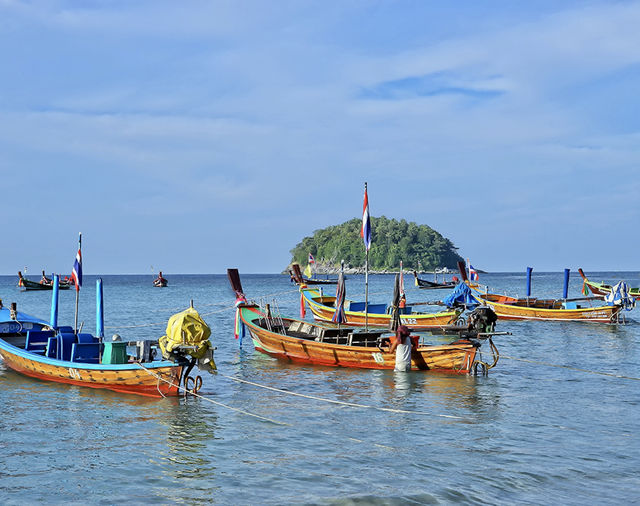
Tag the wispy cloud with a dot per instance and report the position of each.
(209, 105)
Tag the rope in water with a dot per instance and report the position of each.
(539, 362)
(195, 394)
(237, 410)
(333, 401)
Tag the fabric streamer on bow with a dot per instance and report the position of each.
(585, 289)
(239, 325)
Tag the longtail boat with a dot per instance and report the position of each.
(604, 289)
(160, 281)
(323, 308)
(512, 308)
(587, 309)
(44, 284)
(296, 340)
(299, 279)
(58, 354)
(433, 285)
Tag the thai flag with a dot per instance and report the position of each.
(473, 275)
(77, 270)
(365, 231)
(311, 259)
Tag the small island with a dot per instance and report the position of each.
(419, 247)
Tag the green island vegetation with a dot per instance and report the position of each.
(418, 246)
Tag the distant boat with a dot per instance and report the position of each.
(603, 289)
(300, 279)
(160, 281)
(44, 284)
(295, 340)
(433, 285)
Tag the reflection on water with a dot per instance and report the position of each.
(450, 439)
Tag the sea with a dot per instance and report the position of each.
(556, 421)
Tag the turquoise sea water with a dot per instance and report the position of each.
(542, 428)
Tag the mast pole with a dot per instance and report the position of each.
(366, 291)
(77, 287)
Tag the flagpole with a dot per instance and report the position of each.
(366, 278)
(366, 290)
(77, 287)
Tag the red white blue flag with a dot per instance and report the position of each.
(311, 259)
(365, 231)
(473, 275)
(77, 270)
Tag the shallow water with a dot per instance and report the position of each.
(543, 427)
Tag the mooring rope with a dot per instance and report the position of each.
(333, 401)
(539, 362)
(242, 411)
(208, 399)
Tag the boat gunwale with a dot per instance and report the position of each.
(41, 359)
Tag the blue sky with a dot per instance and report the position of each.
(196, 136)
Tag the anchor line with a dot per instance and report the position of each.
(333, 401)
(208, 399)
(242, 411)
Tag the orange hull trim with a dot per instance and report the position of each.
(130, 381)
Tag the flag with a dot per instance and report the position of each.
(76, 274)
(311, 259)
(365, 231)
(473, 275)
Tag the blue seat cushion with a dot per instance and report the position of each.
(52, 348)
(377, 308)
(356, 306)
(65, 342)
(37, 340)
(87, 338)
(85, 352)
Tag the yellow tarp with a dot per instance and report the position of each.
(186, 328)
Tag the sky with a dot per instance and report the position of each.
(190, 137)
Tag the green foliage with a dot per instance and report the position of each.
(392, 241)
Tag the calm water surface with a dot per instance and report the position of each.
(532, 432)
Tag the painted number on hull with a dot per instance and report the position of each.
(410, 321)
(74, 373)
(378, 358)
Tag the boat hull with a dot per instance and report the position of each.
(602, 289)
(32, 285)
(600, 314)
(456, 358)
(124, 378)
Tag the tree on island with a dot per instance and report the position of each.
(418, 246)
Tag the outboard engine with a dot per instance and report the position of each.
(482, 319)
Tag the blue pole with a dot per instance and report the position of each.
(529, 269)
(565, 290)
(99, 309)
(54, 302)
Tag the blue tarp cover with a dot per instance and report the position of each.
(461, 295)
(5, 317)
